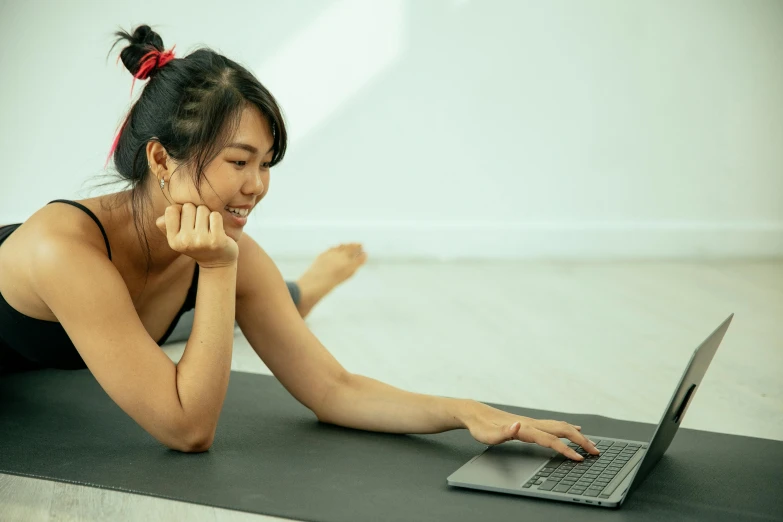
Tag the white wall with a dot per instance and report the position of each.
(459, 128)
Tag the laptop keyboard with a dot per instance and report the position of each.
(593, 477)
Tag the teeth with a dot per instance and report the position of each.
(242, 212)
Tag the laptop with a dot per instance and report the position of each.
(605, 480)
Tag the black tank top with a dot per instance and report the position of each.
(27, 343)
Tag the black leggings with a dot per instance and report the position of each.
(181, 332)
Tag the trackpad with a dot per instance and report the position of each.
(507, 465)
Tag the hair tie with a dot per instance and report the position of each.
(151, 61)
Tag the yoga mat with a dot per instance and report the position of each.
(272, 456)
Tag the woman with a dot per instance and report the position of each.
(196, 148)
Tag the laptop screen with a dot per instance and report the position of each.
(679, 403)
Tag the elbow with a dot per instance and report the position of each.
(326, 407)
(194, 440)
(198, 445)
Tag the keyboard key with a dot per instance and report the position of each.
(562, 488)
(576, 491)
(592, 492)
(603, 496)
(526, 485)
(547, 486)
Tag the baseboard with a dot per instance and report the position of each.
(396, 240)
(445, 241)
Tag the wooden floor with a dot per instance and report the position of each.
(523, 334)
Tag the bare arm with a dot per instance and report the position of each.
(90, 300)
(308, 371)
(204, 369)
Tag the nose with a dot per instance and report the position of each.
(256, 184)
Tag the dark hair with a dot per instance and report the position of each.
(192, 106)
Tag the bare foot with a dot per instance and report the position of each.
(329, 269)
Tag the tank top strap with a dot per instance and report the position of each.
(89, 213)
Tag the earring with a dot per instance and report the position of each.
(162, 183)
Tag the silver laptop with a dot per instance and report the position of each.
(604, 480)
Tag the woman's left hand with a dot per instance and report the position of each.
(491, 426)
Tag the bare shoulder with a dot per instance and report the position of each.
(55, 231)
(58, 221)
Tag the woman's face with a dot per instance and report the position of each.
(238, 177)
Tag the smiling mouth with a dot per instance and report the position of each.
(238, 212)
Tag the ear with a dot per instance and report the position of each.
(158, 158)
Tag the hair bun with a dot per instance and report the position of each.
(142, 41)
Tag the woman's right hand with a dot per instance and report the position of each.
(198, 233)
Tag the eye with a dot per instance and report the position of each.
(266, 165)
(237, 163)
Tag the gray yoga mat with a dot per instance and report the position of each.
(272, 456)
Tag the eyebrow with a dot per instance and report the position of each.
(247, 147)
